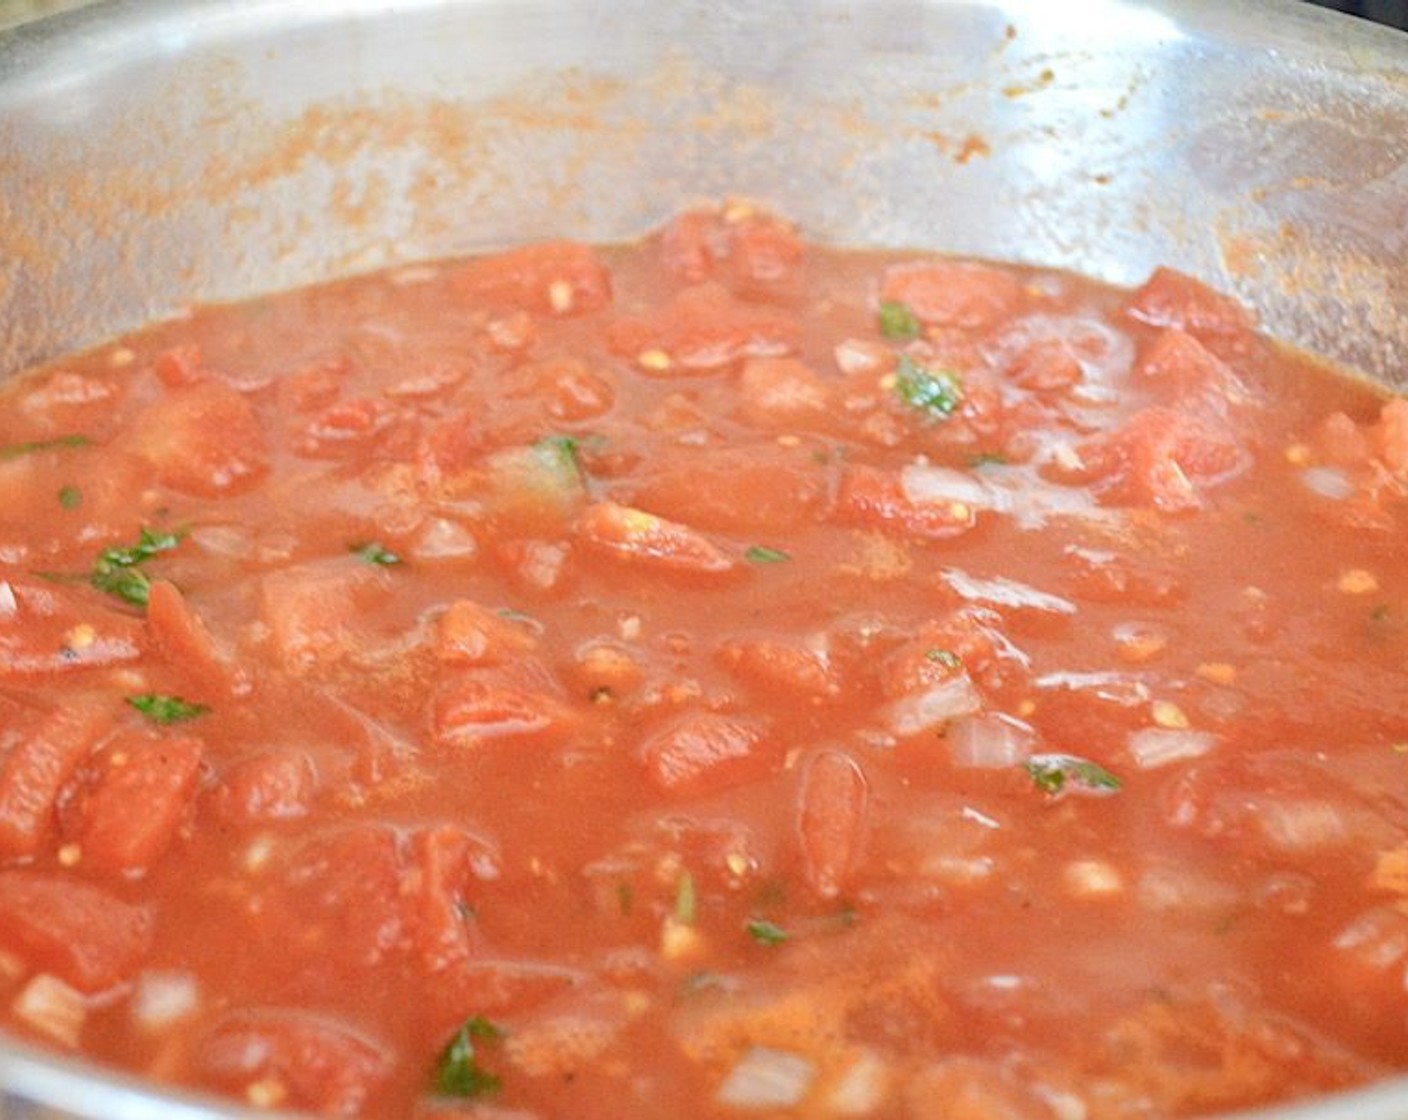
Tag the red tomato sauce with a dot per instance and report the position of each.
(719, 676)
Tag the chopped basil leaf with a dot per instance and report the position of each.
(118, 570)
(1060, 773)
(766, 933)
(626, 897)
(761, 554)
(16, 450)
(945, 657)
(166, 709)
(374, 552)
(685, 905)
(987, 459)
(458, 1072)
(897, 321)
(936, 392)
(562, 451)
(70, 497)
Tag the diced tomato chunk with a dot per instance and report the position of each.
(1161, 458)
(782, 393)
(56, 629)
(37, 769)
(705, 329)
(755, 489)
(434, 890)
(182, 638)
(80, 932)
(567, 388)
(471, 634)
(789, 669)
(1391, 436)
(704, 751)
(831, 811)
(738, 242)
(1046, 365)
(312, 612)
(134, 803)
(1178, 359)
(557, 277)
(473, 709)
(314, 1064)
(180, 366)
(640, 537)
(269, 786)
(954, 293)
(875, 498)
(204, 440)
(1173, 299)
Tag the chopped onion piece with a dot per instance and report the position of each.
(442, 539)
(9, 605)
(1377, 939)
(933, 707)
(861, 1089)
(989, 742)
(226, 541)
(1327, 482)
(1152, 747)
(52, 1008)
(163, 999)
(1297, 826)
(766, 1079)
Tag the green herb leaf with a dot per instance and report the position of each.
(935, 392)
(897, 321)
(761, 554)
(458, 1072)
(16, 450)
(70, 497)
(1065, 773)
(987, 459)
(685, 903)
(118, 571)
(562, 451)
(766, 933)
(945, 657)
(166, 709)
(374, 552)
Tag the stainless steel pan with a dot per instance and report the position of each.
(156, 153)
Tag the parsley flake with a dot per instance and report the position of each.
(164, 709)
(897, 321)
(945, 657)
(761, 554)
(1055, 774)
(935, 392)
(16, 450)
(458, 1072)
(374, 552)
(766, 933)
(686, 906)
(118, 570)
(70, 497)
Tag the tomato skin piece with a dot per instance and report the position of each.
(269, 786)
(1172, 299)
(80, 932)
(324, 1066)
(557, 277)
(132, 807)
(38, 638)
(204, 440)
(703, 751)
(634, 535)
(953, 293)
(37, 769)
(831, 813)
